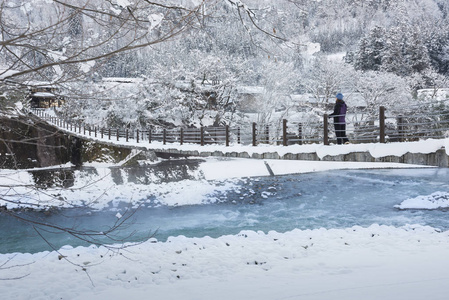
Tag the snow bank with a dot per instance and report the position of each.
(220, 169)
(377, 262)
(99, 188)
(433, 201)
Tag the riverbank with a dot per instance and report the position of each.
(378, 262)
(173, 182)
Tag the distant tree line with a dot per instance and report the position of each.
(215, 46)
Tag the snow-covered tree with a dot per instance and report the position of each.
(324, 78)
(392, 55)
(369, 54)
(278, 79)
(437, 42)
(382, 89)
(416, 53)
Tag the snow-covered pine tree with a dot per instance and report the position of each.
(392, 56)
(415, 51)
(369, 53)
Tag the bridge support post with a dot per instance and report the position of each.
(400, 122)
(326, 130)
(254, 134)
(300, 133)
(238, 136)
(382, 124)
(227, 135)
(202, 136)
(267, 134)
(181, 135)
(76, 151)
(284, 133)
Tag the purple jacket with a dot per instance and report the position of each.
(339, 112)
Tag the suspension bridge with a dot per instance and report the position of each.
(284, 140)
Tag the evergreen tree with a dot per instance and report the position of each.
(392, 56)
(369, 54)
(75, 23)
(416, 53)
(437, 43)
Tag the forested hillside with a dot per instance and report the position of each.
(193, 58)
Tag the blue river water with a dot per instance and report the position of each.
(332, 199)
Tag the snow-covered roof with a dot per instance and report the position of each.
(43, 95)
(251, 89)
(39, 84)
(123, 79)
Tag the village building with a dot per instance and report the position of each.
(45, 96)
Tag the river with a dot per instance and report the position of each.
(331, 199)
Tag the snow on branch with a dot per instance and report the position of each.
(252, 17)
(240, 5)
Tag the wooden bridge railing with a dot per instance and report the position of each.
(380, 129)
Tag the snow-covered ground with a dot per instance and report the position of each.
(377, 262)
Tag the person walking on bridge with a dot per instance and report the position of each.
(339, 115)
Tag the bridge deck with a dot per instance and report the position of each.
(426, 152)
